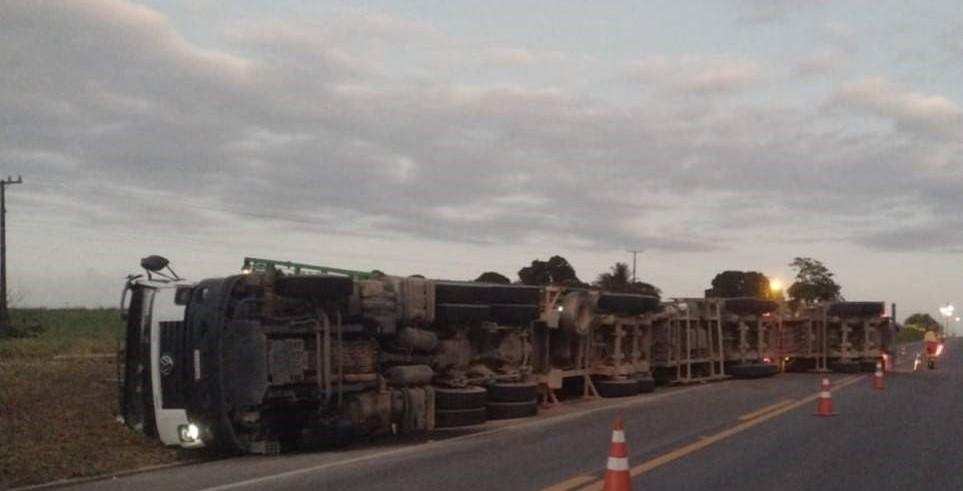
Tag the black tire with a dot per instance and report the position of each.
(752, 371)
(931, 365)
(627, 303)
(857, 309)
(514, 314)
(617, 388)
(315, 287)
(511, 410)
(472, 397)
(646, 385)
(512, 392)
(516, 295)
(462, 293)
(462, 313)
(452, 418)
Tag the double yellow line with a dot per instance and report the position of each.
(749, 420)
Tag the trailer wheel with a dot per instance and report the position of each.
(511, 410)
(451, 418)
(472, 397)
(512, 392)
(514, 313)
(617, 388)
(646, 385)
(516, 294)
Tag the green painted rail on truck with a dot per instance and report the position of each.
(261, 264)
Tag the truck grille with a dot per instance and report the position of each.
(174, 364)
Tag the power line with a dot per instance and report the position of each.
(634, 252)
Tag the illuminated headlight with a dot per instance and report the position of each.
(561, 308)
(189, 433)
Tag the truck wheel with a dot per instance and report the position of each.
(510, 410)
(512, 314)
(472, 397)
(516, 294)
(627, 303)
(512, 392)
(451, 418)
(617, 388)
(646, 385)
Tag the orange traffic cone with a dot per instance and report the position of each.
(879, 383)
(617, 477)
(825, 407)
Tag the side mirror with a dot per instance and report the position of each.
(154, 263)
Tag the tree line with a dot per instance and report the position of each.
(814, 281)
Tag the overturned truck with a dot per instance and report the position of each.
(263, 361)
(838, 336)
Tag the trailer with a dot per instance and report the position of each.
(838, 336)
(687, 342)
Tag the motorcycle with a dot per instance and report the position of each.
(933, 351)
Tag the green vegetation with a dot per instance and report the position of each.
(555, 271)
(58, 401)
(814, 282)
(63, 332)
(909, 334)
(733, 284)
(620, 280)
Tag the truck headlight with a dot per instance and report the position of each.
(189, 433)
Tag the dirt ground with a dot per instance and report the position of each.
(58, 409)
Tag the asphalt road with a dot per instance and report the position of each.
(745, 435)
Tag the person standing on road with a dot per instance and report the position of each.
(931, 341)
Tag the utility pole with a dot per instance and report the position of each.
(634, 254)
(4, 312)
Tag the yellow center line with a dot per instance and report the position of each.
(766, 409)
(706, 441)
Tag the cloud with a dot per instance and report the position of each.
(819, 63)
(695, 74)
(908, 109)
(372, 127)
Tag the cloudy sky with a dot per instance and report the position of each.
(448, 138)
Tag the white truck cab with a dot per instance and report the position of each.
(154, 386)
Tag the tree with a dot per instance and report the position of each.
(556, 270)
(493, 277)
(732, 284)
(921, 321)
(814, 282)
(620, 280)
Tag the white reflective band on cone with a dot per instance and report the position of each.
(824, 395)
(618, 436)
(618, 464)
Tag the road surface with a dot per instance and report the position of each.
(745, 435)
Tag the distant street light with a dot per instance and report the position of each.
(947, 312)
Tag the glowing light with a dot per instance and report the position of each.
(775, 285)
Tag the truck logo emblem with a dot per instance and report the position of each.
(166, 364)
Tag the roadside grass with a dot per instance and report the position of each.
(58, 405)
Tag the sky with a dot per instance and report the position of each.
(449, 138)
